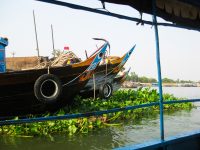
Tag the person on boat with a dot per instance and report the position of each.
(66, 51)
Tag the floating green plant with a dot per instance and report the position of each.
(121, 98)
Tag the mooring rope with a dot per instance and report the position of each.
(106, 67)
(94, 85)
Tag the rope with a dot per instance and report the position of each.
(61, 60)
(106, 67)
(48, 70)
(94, 85)
(38, 60)
(106, 70)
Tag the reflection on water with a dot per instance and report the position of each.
(97, 140)
(111, 137)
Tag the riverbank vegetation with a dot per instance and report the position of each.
(121, 98)
(135, 78)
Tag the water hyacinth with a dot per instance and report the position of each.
(121, 98)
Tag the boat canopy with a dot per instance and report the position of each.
(180, 12)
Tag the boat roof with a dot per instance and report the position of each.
(180, 12)
(184, 13)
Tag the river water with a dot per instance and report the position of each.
(112, 137)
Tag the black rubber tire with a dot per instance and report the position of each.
(48, 89)
(109, 90)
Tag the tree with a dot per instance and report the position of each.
(152, 80)
(144, 79)
(132, 77)
(135, 78)
(167, 80)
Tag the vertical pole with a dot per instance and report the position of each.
(13, 55)
(36, 34)
(86, 54)
(94, 86)
(3, 44)
(53, 41)
(158, 69)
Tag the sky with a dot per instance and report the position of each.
(179, 48)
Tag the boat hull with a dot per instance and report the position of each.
(17, 95)
(100, 77)
(37, 91)
(104, 77)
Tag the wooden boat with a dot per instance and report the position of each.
(101, 83)
(48, 89)
(119, 79)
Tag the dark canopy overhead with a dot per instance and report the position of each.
(183, 13)
(180, 12)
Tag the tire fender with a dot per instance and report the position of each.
(105, 90)
(48, 88)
